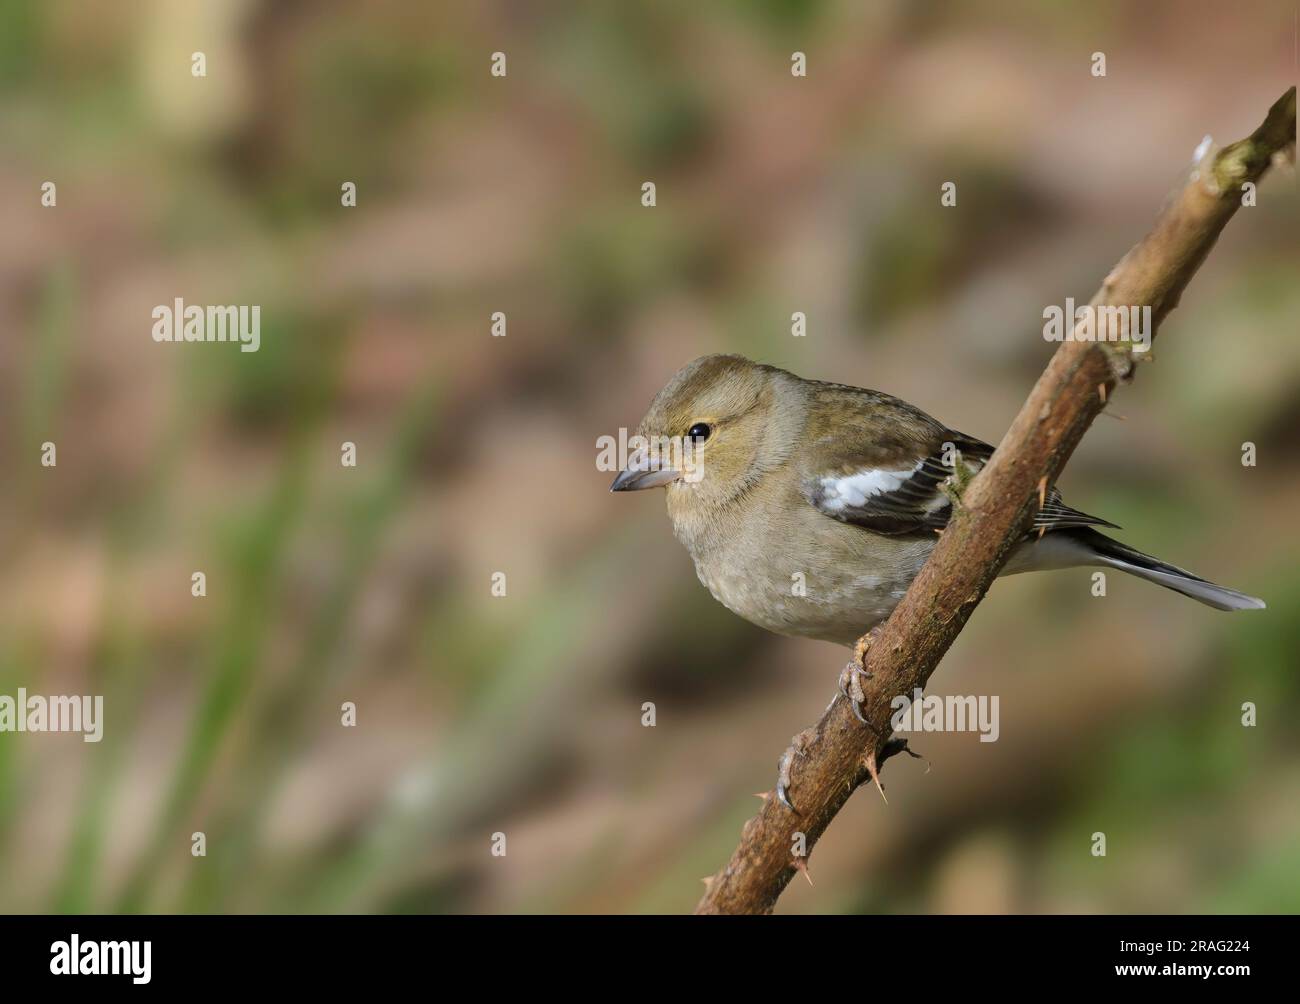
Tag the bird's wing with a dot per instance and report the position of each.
(890, 476)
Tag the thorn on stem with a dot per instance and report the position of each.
(870, 761)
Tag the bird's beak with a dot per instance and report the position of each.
(643, 471)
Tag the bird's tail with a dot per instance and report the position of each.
(1113, 554)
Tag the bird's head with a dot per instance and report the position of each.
(707, 433)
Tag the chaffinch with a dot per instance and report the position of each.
(809, 507)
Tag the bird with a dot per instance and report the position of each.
(809, 507)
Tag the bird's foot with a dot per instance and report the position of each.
(863, 646)
(798, 747)
(850, 687)
(850, 684)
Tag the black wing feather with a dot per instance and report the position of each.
(920, 505)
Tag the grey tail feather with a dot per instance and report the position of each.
(1116, 555)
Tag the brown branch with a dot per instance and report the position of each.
(831, 759)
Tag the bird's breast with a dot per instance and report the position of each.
(810, 577)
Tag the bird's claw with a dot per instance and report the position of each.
(782, 784)
(798, 747)
(850, 684)
(850, 687)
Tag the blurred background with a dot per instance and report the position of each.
(481, 714)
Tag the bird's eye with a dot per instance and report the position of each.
(699, 432)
